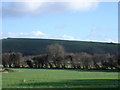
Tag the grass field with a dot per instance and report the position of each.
(58, 78)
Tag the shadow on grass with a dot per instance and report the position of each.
(71, 69)
(93, 70)
(82, 83)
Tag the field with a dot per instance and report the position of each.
(60, 78)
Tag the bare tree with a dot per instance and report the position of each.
(11, 59)
(5, 59)
(86, 60)
(40, 61)
(56, 54)
(16, 58)
(71, 57)
(97, 61)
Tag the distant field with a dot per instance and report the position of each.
(58, 78)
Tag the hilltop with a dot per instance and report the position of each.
(29, 46)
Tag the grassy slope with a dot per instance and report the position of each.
(38, 46)
(53, 78)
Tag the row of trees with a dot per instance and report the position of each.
(57, 58)
(12, 59)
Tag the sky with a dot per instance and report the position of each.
(81, 21)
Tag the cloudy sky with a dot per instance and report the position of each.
(70, 20)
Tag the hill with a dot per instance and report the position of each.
(38, 46)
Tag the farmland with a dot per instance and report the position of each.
(60, 78)
(40, 68)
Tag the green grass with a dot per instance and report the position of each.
(58, 78)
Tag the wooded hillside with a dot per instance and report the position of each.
(38, 46)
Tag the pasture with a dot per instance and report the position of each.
(60, 78)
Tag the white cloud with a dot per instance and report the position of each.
(97, 36)
(1, 35)
(39, 34)
(36, 34)
(107, 40)
(14, 9)
(83, 5)
(58, 0)
(33, 34)
(67, 37)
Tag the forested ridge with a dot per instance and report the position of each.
(56, 54)
(38, 46)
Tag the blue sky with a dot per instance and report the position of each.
(88, 21)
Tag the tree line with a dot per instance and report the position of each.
(56, 57)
